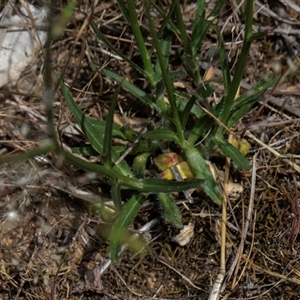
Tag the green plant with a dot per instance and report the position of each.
(209, 123)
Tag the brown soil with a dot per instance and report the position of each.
(53, 245)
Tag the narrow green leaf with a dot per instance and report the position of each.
(198, 20)
(182, 98)
(240, 67)
(99, 126)
(170, 210)
(115, 193)
(139, 41)
(223, 61)
(181, 27)
(130, 134)
(240, 113)
(256, 91)
(147, 145)
(198, 30)
(107, 144)
(201, 27)
(167, 18)
(162, 134)
(120, 226)
(202, 171)
(92, 128)
(140, 94)
(165, 46)
(205, 90)
(238, 159)
(124, 10)
(203, 126)
(103, 38)
(187, 110)
(247, 99)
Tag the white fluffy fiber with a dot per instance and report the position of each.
(20, 38)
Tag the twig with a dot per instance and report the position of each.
(216, 289)
(180, 274)
(274, 274)
(269, 13)
(277, 154)
(238, 257)
(296, 220)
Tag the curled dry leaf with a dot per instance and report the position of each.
(185, 234)
(234, 190)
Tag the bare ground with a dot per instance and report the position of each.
(54, 247)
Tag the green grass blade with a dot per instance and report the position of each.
(201, 28)
(246, 100)
(135, 26)
(241, 65)
(255, 92)
(102, 37)
(223, 61)
(140, 94)
(165, 47)
(95, 131)
(115, 193)
(167, 19)
(95, 137)
(238, 159)
(191, 65)
(120, 226)
(182, 99)
(107, 143)
(160, 86)
(124, 10)
(170, 210)
(204, 125)
(181, 27)
(187, 110)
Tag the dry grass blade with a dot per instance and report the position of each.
(277, 154)
(236, 262)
